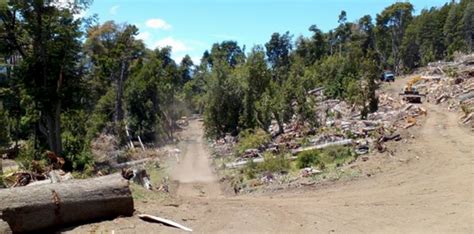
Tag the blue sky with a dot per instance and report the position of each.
(192, 26)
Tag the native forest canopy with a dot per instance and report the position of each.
(65, 80)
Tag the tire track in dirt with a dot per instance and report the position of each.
(194, 172)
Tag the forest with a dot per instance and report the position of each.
(65, 80)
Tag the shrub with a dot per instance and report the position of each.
(272, 163)
(252, 138)
(309, 158)
(26, 155)
(335, 154)
(250, 170)
(76, 145)
(275, 163)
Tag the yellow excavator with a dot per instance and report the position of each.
(410, 93)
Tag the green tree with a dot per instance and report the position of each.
(49, 68)
(468, 22)
(312, 49)
(112, 49)
(343, 31)
(391, 25)
(278, 51)
(256, 78)
(453, 27)
(185, 70)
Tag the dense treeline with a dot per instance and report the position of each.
(65, 80)
(248, 91)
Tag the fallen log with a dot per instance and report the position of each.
(386, 138)
(132, 163)
(243, 163)
(255, 160)
(34, 208)
(441, 98)
(468, 118)
(466, 96)
(322, 146)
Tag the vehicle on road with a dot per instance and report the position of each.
(388, 76)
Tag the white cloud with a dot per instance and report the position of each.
(144, 36)
(176, 45)
(158, 24)
(113, 10)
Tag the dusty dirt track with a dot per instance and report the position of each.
(433, 192)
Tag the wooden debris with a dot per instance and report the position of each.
(164, 221)
(138, 176)
(322, 146)
(133, 163)
(395, 137)
(243, 163)
(409, 125)
(468, 118)
(309, 171)
(466, 96)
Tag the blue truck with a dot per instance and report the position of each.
(388, 76)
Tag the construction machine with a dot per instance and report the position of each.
(410, 93)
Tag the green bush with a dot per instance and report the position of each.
(252, 138)
(335, 154)
(76, 145)
(272, 163)
(250, 170)
(275, 163)
(4, 128)
(26, 155)
(309, 158)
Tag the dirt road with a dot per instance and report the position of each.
(431, 192)
(193, 170)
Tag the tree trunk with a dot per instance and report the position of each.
(53, 131)
(41, 207)
(119, 96)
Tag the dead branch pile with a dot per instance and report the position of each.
(452, 85)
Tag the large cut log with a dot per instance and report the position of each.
(35, 208)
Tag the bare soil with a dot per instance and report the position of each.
(429, 190)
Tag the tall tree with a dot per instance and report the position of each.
(312, 49)
(256, 78)
(49, 67)
(391, 26)
(185, 70)
(343, 31)
(278, 53)
(468, 25)
(112, 48)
